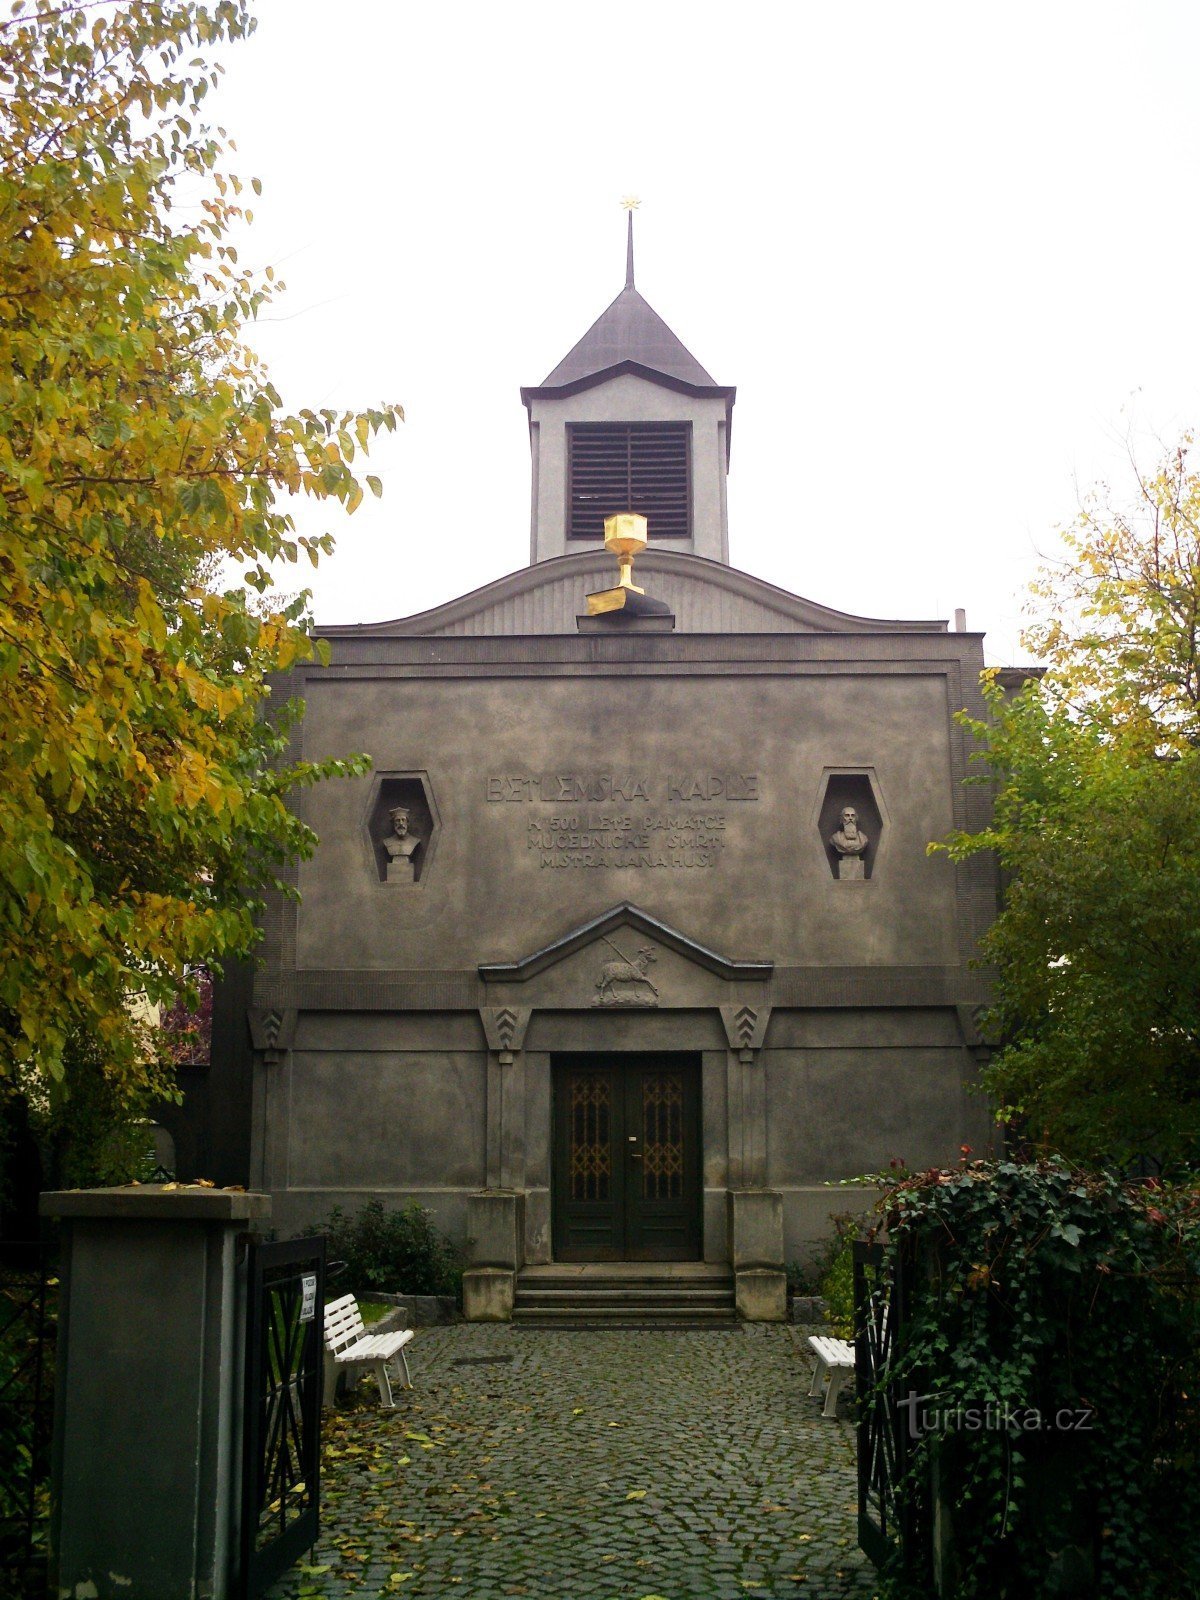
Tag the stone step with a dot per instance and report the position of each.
(540, 1278)
(656, 1308)
(628, 1295)
(623, 1294)
(658, 1314)
(626, 1325)
(546, 1299)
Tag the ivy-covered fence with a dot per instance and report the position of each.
(1050, 1374)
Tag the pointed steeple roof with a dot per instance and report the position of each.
(629, 336)
(629, 330)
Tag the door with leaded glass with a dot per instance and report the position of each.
(627, 1158)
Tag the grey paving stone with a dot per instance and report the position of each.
(603, 1466)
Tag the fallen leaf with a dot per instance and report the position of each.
(636, 1494)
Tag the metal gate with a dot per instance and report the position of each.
(886, 1522)
(281, 1460)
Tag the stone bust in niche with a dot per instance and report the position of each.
(401, 846)
(850, 843)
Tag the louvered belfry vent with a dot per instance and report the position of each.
(630, 466)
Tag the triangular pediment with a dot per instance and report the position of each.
(616, 933)
(704, 596)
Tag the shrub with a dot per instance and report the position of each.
(395, 1252)
(837, 1287)
(829, 1272)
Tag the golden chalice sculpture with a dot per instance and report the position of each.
(625, 536)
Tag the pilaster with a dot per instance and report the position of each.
(504, 1028)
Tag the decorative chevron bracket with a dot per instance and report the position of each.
(504, 1028)
(745, 1028)
(272, 1031)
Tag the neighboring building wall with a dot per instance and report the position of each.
(211, 1129)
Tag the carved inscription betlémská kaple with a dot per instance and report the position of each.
(620, 821)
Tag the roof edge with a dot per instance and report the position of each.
(554, 391)
(791, 607)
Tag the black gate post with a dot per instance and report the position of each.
(886, 1521)
(281, 1461)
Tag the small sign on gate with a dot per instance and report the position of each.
(308, 1297)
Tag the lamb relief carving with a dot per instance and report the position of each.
(626, 983)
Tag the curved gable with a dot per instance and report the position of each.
(706, 597)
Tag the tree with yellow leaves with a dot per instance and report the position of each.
(1118, 620)
(142, 451)
(1097, 827)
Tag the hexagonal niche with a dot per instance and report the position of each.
(857, 789)
(413, 792)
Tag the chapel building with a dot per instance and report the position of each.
(630, 943)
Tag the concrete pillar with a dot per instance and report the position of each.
(756, 1254)
(496, 1230)
(148, 1391)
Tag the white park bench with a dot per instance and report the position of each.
(835, 1359)
(348, 1344)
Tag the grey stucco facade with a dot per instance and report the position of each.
(407, 1029)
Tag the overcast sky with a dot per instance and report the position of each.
(947, 253)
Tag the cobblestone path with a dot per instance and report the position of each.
(611, 1465)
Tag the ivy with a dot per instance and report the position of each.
(1053, 1327)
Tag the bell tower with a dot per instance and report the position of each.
(629, 421)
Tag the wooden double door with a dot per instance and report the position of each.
(627, 1158)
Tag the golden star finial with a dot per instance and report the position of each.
(630, 202)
